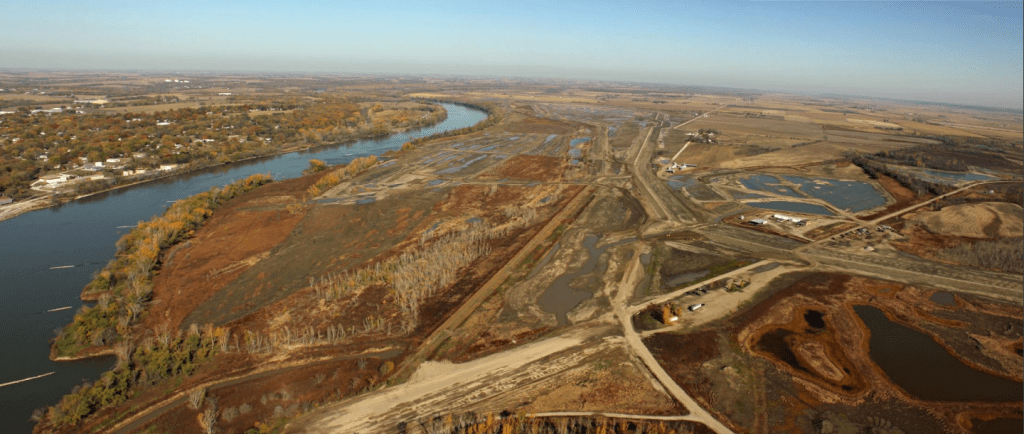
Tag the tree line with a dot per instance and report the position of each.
(494, 116)
(522, 423)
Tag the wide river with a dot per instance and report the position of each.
(82, 234)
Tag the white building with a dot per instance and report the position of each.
(786, 218)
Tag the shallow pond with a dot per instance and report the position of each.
(774, 343)
(579, 141)
(693, 187)
(781, 205)
(943, 299)
(680, 279)
(765, 183)
(815, 319)
(854, 196)
(998, 426)
(922, 367)
(560, 297)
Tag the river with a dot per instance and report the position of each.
(82, 234)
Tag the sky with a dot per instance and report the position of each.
(953, 52)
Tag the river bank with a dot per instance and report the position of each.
(83, 234)
(18, 208)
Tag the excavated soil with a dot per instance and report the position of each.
(976, 220)
(803, 354)
(528, 168)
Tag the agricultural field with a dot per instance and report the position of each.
(674, 260)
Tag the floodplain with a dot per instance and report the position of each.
(724, 262)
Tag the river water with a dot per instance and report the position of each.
(82, 234)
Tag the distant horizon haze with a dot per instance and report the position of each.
(967, 53)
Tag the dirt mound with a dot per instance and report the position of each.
(977, 220)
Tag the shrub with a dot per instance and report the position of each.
(386, 367)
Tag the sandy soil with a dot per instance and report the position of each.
(449, 385)
(976, 220)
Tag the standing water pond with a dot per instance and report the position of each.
(922, 367)
(565, 293)
(853, 196)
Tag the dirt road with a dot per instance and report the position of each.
(474, 301)
(444, 386)
(630, 279)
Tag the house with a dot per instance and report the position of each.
(4, 200)
(160, 124)
(758, 222)
(97, 177)
(133, 172)
(168, 167)
(51, 180)
(113, 160)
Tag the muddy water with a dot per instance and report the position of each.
(774, 343)
(942, 299)
(566, 292)
(919, 365)
(998, 426)
(815, 319)
(82, 233)
(680, 279)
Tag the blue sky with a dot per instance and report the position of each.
(960, 52)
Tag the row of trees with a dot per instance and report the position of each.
(472, 423)
(494, 115)
(906, 178)
(334, 178)
(419, 272)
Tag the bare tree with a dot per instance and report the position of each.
(196, 397)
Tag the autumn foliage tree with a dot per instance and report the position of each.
(125, 283)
